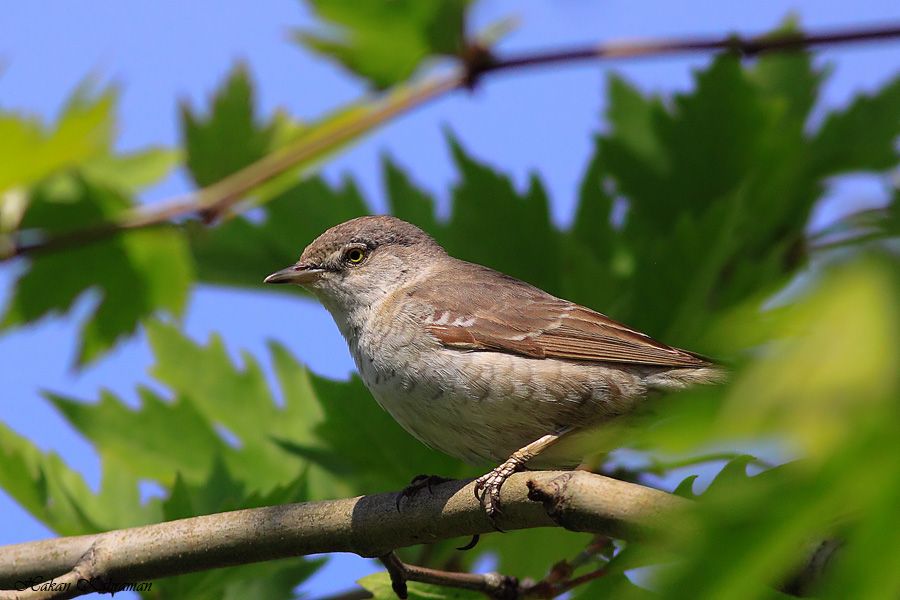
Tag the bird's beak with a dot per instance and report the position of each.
(296, 274)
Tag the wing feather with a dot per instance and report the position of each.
(478, 309)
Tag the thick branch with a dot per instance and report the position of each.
(214, 201)
(366, 525)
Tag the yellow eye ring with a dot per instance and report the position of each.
(355, 256)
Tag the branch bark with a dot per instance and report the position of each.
(211, 203)
(367, 525)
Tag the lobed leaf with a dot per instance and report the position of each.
(58, 496)
(385, 42)
(136, 275)
(863, 137)
(31, 152)
(827, 390)
(379, 585)
(229, 136)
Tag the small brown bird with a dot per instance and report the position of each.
(475, 363)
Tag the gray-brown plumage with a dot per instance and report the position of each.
(509, 315)
(473, 362)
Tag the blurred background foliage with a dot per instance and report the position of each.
(692, 225)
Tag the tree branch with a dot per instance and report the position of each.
(211, 203)
(367, 525)
(745, 46)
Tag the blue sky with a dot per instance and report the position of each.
(164, 51)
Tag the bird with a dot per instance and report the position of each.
(475, 363)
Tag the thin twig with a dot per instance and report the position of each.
(161, 215)
(213, 202)
(745, 46)
(557, 589)
(559, 580)
(493, 585)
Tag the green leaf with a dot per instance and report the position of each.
(839, 338)
(29, 152)
(236, 402)
(385, 42)
(59, 497)
(379, 584)
(767, 521)
(593, 225)
(633, 118)
(870, 563)
(731, 474)
(272, 154)
(269, 580)
(233, 153)
(229, 137)
(136, 274)
(685, 489)
(492, 224)
(862, 137)
(713, 191)
(531, 552)
(825, 388)
(160, 440)
(789, 78)
(219, 414)
(406, 201)
(132, 172)
(220, 491)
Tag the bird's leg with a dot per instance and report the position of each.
(419, 483)
(487, 487)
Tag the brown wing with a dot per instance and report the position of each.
(476, 308)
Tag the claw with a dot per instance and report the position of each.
(472, 543)
(487, 490)
(419, 483)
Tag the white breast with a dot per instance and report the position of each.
(483, 406)
(478, 406)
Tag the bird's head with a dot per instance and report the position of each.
(355, 263)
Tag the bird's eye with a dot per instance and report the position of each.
(355, 256)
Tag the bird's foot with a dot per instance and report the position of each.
(487, 487)
(419, 483)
